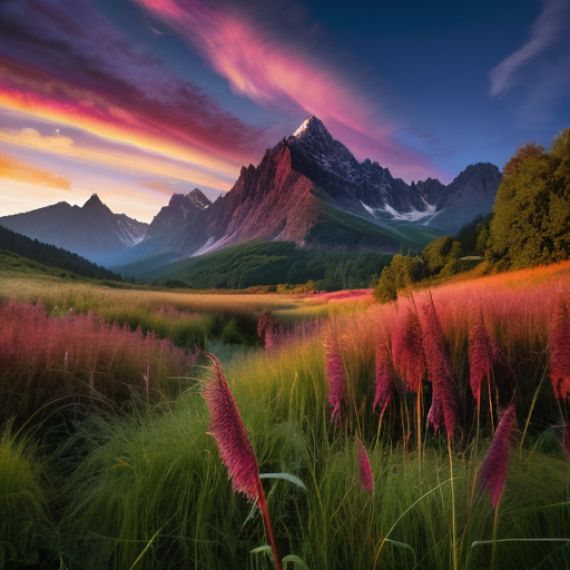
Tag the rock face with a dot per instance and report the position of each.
(180, 211)
(92, 230)
(310, 189)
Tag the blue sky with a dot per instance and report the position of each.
(137, 99)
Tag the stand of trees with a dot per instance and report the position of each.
(529, 225)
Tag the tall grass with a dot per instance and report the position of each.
(77, 359)
(149, 490)
(25, 528)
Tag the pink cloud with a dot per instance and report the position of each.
(286, 76)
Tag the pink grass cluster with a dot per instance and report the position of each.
(42, 356)
(364, 467)
(230, 434)
(560, 352)
(439, 371)
(384, 377)
(336, 379)
(495, 467)
(482, 356)
(407, 351)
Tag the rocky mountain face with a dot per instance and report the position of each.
(310, 189)
(91, 230)
(180, 211)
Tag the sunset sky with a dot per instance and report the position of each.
(138, 99)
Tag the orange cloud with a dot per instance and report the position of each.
(20, 171)
(112, 158)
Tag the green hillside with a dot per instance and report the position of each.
(47, 256)
(336, 225)
(271, 263)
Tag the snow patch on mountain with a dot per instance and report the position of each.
(412, 215)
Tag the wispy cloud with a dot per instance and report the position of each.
(286, 73)
(551, 28)
(20, 171)
(115, 157)
(65, 61)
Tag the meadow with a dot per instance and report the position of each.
(431, 432)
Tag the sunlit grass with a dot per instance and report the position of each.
(148, 490)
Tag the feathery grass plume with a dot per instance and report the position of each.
(230, 434)
(384, 377)
(364, 467)
(566, 439)
(235, 448)
(496, 463)
(407, 351)
(482, 356)
(444, 400)
(336, 379)
(560, 352)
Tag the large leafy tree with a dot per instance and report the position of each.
(531, 215)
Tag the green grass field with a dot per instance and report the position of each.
(142, 485)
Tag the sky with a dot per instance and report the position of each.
(138, 99)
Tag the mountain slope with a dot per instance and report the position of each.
(311, 190)
(92, 230)
(271, 263)
(49, 255)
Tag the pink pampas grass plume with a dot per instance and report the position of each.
(230, 434)
(364, 467)
(336, 379)
(496, 464)
(482, 356)
(235, 448)
(407, 351)
(566, 439)
(439, 370)
(384, 378)
(560, 352)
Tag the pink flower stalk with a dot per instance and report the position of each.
(566, 439)
(235, 448)
(560, 353)
(482, 356)
(230, 434)
(496, 464)
(439, 371)
(384, 378)
(336, 378)
(408, 352)
(364, 467)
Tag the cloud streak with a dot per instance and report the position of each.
(552, 25)
(20, 171)
(116, 158)
(65, 62)
(284, 74)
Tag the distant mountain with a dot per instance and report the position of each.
(308, 189)
(179, 212)
(92, 230)
(50, 255)
(311, 190)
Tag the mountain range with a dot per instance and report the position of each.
(308, 189)
(91, 230)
